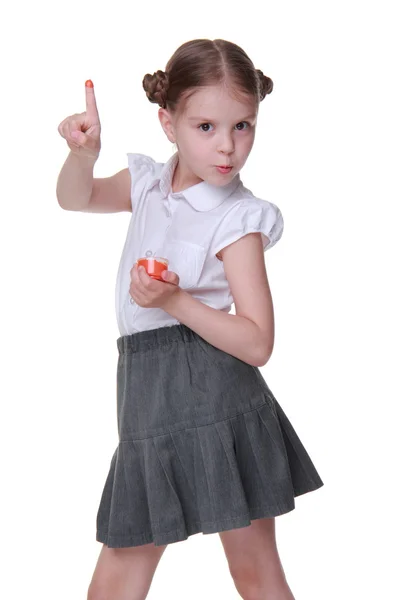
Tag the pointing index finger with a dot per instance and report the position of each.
(91, 106)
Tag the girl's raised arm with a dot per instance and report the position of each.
(76, 187)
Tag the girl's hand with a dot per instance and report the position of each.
(82, 131)
(151, 293)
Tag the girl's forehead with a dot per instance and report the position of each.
(219, 100)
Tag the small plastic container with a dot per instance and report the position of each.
(154, 266)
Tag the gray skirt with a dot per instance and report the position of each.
(203, 444)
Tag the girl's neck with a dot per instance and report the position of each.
(183, 179)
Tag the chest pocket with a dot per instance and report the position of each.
(185, 259)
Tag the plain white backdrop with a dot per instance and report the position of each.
(327, 153)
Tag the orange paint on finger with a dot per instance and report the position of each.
(154, 266)
(89, 83)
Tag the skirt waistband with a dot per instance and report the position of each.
(152, 338)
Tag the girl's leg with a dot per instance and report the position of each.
(254, 561)
(124, 573)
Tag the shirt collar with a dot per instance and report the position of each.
(202, 196)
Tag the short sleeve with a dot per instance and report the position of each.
(141, 167)
(250, 217)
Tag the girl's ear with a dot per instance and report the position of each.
(167, 124)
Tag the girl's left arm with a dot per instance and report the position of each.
(249, 334)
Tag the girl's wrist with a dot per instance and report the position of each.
(174, 301)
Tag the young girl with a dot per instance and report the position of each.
(204, 446)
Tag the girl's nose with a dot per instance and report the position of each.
(226, 145)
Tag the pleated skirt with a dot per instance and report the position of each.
(204, 446)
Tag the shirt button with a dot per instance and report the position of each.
(131, 300)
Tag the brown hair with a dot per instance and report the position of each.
(200, 63)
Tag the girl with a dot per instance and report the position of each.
(204, 445)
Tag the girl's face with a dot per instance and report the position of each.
(215, 129)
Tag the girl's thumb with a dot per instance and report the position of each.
(79, 137)
(170, 277)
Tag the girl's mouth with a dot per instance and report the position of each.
(224, 170)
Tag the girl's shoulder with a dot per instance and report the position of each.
(243, 199)
(144, 171)
(141, 162)
(244, 213)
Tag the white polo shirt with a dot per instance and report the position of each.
(188, 228)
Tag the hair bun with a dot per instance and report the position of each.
(266, 84)
(156, 87)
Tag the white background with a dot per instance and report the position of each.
(327, 153)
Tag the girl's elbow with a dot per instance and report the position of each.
(262, 357)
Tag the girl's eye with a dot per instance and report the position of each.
(243, 123)
(240, 126)
(205, 125)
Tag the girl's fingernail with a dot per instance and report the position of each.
(89, 83)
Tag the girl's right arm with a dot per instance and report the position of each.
(76, 187)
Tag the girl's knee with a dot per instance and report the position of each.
(94, 593)
(124, 573)
(97, 591)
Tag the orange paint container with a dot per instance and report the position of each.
(154, 266)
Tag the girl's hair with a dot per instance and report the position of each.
(201, 63)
